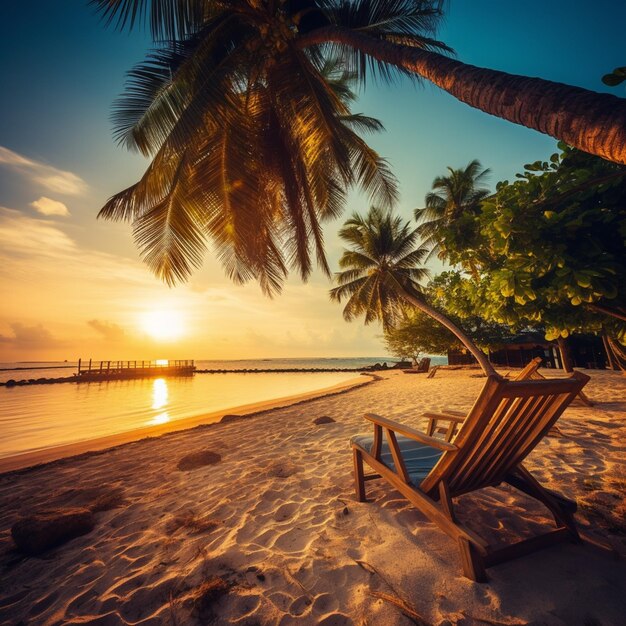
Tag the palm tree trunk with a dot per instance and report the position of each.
(476, 352)
(591, 121)
(566, 357)
(609, 353)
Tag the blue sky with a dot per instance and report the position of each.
(62, 69)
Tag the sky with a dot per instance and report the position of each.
(72, 286)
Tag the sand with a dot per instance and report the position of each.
(272, 533)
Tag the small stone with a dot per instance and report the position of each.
(324, 419)
(198, 459)
(37, 533)
(346, 511)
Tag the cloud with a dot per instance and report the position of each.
(47, 206)
(109, 330)
(28, 337)
(22, 236)
(49, 177)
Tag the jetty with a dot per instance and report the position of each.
(119, 370)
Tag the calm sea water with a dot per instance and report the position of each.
(43, 416)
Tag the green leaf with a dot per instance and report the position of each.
(616, 77)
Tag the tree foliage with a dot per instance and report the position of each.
(551, 246)
(417, 334)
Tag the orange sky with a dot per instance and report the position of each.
(64, 297)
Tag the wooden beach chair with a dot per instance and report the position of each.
(507, 421)
(422, 367)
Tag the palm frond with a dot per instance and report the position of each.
(411, 21)
(168, 19)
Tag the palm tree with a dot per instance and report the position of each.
(453, 196)
(254, 162)
(388, 35)
(381, 274)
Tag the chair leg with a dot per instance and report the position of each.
(473, 566)
(359, 480)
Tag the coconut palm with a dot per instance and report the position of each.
(381, 274)
(453, 196)
(386, 35)
(254, 162)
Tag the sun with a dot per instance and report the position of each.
(163, 325)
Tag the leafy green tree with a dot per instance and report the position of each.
(419, 333)
(553, 247)
(454, 294)
(381, 274)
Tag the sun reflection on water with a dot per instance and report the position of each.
(159, 400)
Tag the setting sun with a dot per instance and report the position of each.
(163, 325)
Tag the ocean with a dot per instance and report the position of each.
(36, 417)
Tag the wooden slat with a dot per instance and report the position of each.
(529, 369)
(359, 482)
(378, 441)
(398, 461)
(470, 471)
(498, 461)
(473, 435)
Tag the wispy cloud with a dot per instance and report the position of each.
(47, 176)
(108, 330)
(48, 206)
(27, 337)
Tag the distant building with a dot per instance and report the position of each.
(586, 351)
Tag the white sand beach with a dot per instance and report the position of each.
(273, 534)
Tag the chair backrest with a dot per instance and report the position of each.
(423, 365)
(530, 370)
(507, 421)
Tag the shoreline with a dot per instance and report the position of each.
(36, 458)
(75, 378)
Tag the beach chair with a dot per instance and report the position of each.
(507, 421)
(422, 367)
(529, 371)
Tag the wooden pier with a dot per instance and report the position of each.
(120, 370)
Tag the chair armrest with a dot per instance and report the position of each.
(409, 432)
(449, 416)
